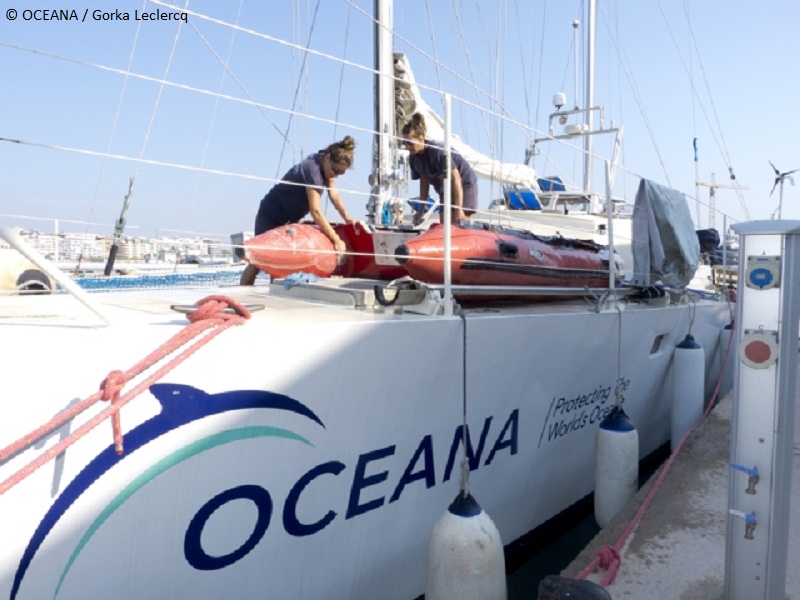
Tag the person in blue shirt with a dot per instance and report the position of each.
(299, 193)
(427, 162)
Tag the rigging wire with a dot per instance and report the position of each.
(525, 94)
(339, 95)
(501, 85)
(268, 37)
(474, 87)
(341, 75)
(112, 134)
(182, 86)
(620, 106)
(541, 61)
(213, 119)
(723, 147)
(297, 87)
(436, 63)
(225, 66)
(721, 141)
(505, 114)
(146, 140)
(160, 94)
(245, 101)
(691, 74)
(624, 63)
(497, 101)
(161, 163)
(715, 132)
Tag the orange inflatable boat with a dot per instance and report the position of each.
(303, 248)
(293, 248)
(484, 254)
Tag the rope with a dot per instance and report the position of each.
(207, 318)
(608, 557)
(619, 357)
(464, 479)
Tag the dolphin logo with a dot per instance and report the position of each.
(180, 405)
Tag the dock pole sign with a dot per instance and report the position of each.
(767, 322)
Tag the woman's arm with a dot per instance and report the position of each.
(424, 191)
(314, 207)
(338, 204)
(457, 197)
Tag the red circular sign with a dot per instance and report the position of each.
(757, 351)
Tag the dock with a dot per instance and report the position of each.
(677, 551)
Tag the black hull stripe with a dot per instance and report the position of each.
(555, 273)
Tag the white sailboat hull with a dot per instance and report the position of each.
(326, 479)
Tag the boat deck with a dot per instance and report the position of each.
(678, 550)
(332, 299)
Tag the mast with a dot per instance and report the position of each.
(380, 180)
(587, 140)
(119, 228)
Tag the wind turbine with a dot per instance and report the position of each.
(779, 177)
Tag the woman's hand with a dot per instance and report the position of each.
(340, 248)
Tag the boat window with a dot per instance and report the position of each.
(658, 344)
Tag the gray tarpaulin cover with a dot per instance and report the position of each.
(665, 245)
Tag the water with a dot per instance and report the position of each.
(551, 548)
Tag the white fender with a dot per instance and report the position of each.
(465, 555)
(688, 388)
(20, 275)
(616, 469)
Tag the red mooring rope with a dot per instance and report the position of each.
(608, 557)
(207, 318)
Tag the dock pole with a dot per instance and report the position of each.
(768, 311)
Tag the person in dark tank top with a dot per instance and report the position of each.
(299, 193)
(427, 162)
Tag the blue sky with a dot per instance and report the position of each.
(208, 160)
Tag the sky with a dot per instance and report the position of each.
(205, 115)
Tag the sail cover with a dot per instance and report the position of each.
(408, 101)
(665, 245)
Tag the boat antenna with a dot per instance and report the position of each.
(119, 227)
(779, 177)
